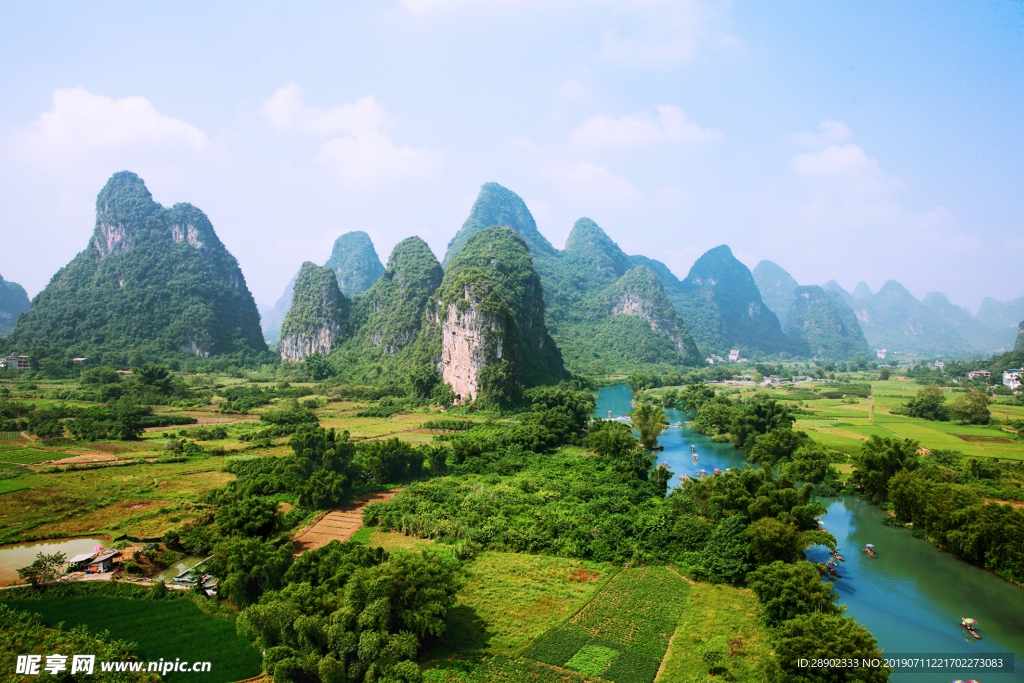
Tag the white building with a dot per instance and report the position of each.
(985, 374)
(880, 353)
(734, 355)
(1012, 377)
(939, 364)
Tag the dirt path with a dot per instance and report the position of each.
(336, 525)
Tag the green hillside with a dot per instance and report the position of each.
(824, 322)
(318, 316)
(355, 263)
(496, 205)
(152, 280)
(777, 288)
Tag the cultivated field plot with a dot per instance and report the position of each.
(168, 629)
(27, 456)
(622, 634)
(337, 525)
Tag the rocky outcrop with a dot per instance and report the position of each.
(470, 341)
(317, 317)
(489, 311)
(640, 293)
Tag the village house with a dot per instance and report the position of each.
(1012, 377)
(939, 364)
(880, 353)
(734, 355)
(19, 363)
(985, 374)
(103, 563)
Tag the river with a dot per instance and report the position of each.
(912, 597)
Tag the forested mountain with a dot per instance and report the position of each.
(833, 286)
(496, 205)
(152, 280)
(1019, 344)
(593, 336)
(722, 307)
(356, 266)
(977, 336)
(893, 319)
(355, 263)
(777, 288)
(13, 302)
(826, 324)
(1001, 316)
(385, 344)
(489, 316)
(862, 291)
(318, 315)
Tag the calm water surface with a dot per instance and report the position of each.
(14, 557)
(912, 597)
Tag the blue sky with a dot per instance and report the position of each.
(869, 140)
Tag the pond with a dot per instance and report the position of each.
(912, 597)
(178, 567)
(14, 557)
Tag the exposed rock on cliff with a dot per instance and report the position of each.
(153, 281)
(489, 311)
(318, 315)
(826, 324)
(355, 263)
(13, 302)
(639, 293)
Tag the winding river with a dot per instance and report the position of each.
(912, 597)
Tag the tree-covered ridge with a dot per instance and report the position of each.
(777, 288)
(153, 280)
(826, 324)
(975, 334)
(1019, 345)
(13, 302)
(723, 309)
(355, 263)
(496, 205)
(390, 314)
(640, 293)
(893, 319)
(592, 252)
(494, 275)
(318, 315)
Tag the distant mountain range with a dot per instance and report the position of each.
(13, 302)
(156, 281)
(893, 319)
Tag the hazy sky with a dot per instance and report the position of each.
(864, 140)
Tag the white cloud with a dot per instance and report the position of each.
(670, 126)
(83, 132)
(370, 158)
(285, 110)
(586, 181)
(830, 132)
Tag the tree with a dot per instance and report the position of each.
(776, 446)
(250, 517)
(647, 421)
(878, 460)
(128, 421)
(772, 540)
(884, 374)
(824, 636)
(317, 367)
(811, 464)
(786, 591)
(247, 567)
(928, 404)
(44, 568)
(156, 376)
(99, 375)
(971, 408)
(640, 382)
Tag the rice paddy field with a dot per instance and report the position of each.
(162, 629)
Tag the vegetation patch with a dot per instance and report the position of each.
(623, 634)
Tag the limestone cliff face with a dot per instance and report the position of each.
(639, 293)
(470, 341)
(318, 315)
(489, 311)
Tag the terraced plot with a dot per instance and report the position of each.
(623, 634)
